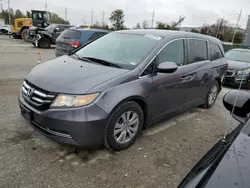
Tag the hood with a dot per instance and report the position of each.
(237, 65)
(234, 168)
(33, 28)
(70, 76)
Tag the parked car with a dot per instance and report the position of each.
(238, 68)
(227, 163)
(71, 39)
(109, 90)
(44, 37)
(5, 29)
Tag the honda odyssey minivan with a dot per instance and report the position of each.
(106, 92)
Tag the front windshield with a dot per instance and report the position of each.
(125, 50)
(238, 55)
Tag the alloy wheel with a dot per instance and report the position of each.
(126, 127)
(213, 94)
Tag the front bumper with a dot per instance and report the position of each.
(83, 126)
(236, 80)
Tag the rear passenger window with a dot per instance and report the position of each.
(215, 51)
(197, 50)
(173, 52)
(96, 35)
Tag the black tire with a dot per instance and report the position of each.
(16, 36)
(44, 43)
(110, 141)
(207, 103)
(24, 35)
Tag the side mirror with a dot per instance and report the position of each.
(56, 30)
(167, 67)
(241, 100)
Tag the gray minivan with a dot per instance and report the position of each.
(106, 92)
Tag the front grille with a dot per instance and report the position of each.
(37, 97)
(230, 73)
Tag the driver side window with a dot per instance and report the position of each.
(173, 52)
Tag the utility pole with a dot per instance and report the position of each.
(103, 14)
(65, 14)
(1, 5)
(9, 12)
(46, 5)
(91, 21)
(237, 25)
(83, 20)
(153, 19)
(218, 29)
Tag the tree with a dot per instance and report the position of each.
(194, 30)
(57, 19)
(145, 24)
(28, 14)
(19, 14)
(5, 15)
(238, 37)
(138, 26)
(117, 19)
(161, 25)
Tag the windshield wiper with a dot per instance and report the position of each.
(81, 58)
(103, 62)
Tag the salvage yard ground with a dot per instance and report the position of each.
(161, 157)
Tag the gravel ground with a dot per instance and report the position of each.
(161, 157)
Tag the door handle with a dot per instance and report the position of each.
(188, 77)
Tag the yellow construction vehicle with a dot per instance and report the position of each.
(21, 25)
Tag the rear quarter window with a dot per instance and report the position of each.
(70, 34)
(215, 51)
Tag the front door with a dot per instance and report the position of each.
(169, 88)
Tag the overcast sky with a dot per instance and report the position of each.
(196, 12)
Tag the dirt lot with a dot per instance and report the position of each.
(161, 157)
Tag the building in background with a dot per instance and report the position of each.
(246, 41)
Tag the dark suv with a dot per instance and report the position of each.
(112, 88)
(71, 39)
(44, 37)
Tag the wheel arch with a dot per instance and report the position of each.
(24, 27)
(140, 101)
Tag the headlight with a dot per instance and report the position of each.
(73, 100)
(244, 72)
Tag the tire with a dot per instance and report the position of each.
(25, 35)
(213, 93)
(44, 43)
(126, 133)
(16, 36)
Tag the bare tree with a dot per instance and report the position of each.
(145, 24)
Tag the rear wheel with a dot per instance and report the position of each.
(44, 43)
(124, 126)
(25, 35)
(212, 95)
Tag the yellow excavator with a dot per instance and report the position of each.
(21, 26)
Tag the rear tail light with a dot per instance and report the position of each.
(75, 44)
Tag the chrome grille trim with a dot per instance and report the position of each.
(37, 100)
(36, 96)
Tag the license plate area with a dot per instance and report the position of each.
(26, 113)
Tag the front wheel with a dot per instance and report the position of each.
(124, 126)
(212, 95)
(24, 35)
(44, 43)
